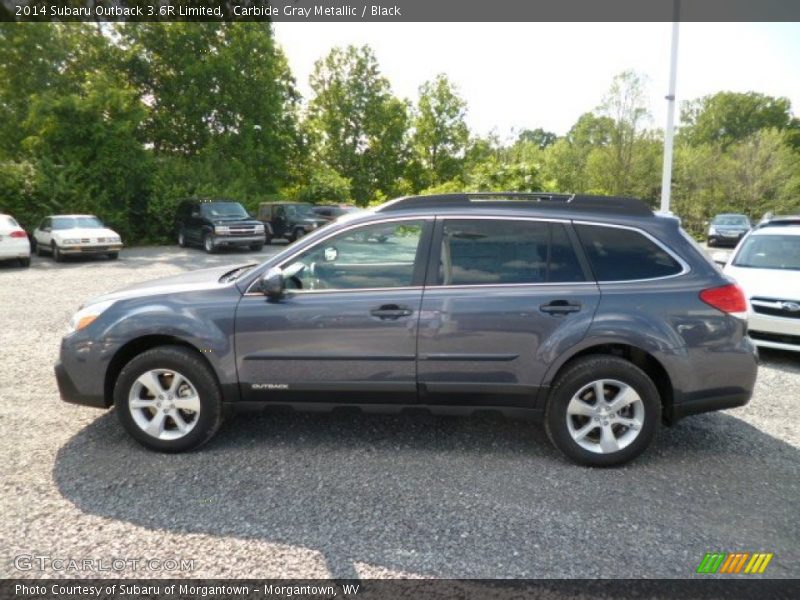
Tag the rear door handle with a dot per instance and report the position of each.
(560, 307)
(391, 311)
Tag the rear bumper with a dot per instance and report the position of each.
(14, 248)
(69, 392)
(707, 404)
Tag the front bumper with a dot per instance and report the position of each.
(780, 333)
(724, 240)
(248, 240)
(69, 392)
(90, 249)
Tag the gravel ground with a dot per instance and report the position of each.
(370, 496)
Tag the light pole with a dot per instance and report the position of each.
(669, 133)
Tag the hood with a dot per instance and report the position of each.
(202, 279)
(85, 232)
(767, 283)
(312, 221)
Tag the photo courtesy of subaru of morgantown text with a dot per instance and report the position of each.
(447, 300)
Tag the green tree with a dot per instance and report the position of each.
(619, 161)
(355, 125)
(440, 131)
(538, 136)
(221, 95)
(39, 58)
(727, 117)
(90, 153)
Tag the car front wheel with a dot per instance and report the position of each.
(602, 411)
(181, 239)
(57, 256)
(168, 399)
(208, 244)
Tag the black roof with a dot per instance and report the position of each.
(523, 200)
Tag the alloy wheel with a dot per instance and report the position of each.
(164, 404)
(605, 416)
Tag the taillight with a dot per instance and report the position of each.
(18, 234)
(727, 298)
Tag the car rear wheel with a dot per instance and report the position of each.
(208, 244)
(168, 399)
(57, 256)
(602, 411)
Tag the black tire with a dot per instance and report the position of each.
(192, 366)
(268, 239)
(25, 262)
(57, 256)
(113, 255)
(257, 247)
(208, 244)
(181, 239)
(579, 374)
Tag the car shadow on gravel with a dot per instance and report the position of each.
(451, 497)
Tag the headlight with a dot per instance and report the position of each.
(114, 239)
(70, 242)
(712, 230)
(87, 315)
(259, 229)
(222, 229)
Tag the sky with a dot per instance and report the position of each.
(526, 75)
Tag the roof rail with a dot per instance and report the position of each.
(535, 200)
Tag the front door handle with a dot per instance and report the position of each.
(391, 311)
(560, 307)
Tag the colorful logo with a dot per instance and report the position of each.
(735, 562)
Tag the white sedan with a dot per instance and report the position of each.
(766, 264)
(14, 244)
(62, 235)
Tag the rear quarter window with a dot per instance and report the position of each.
(617, 254)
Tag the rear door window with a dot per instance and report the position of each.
(617, 254)
(496, 251)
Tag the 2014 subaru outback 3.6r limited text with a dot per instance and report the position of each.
(590, 313)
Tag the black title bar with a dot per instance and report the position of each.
(399, 10)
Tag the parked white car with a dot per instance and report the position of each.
(14, 244)
(766, 264)
(62, 235)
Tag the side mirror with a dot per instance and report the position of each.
(272, 283)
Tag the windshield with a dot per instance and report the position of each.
(224, 210)
(77, 223)
(770, 252)
(300, 211)
(730, 221)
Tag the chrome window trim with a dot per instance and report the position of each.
(291, 257)
(685, 268)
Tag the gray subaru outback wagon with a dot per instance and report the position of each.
(591, 314)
